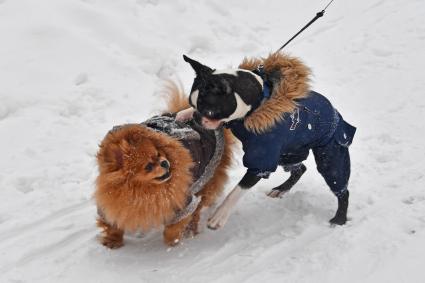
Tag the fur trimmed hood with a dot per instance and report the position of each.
(290, 80)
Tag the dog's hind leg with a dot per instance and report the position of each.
(333, 163)
(296, 172)
(174, 232)
(193, 227)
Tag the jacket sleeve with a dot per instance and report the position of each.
(262, 153)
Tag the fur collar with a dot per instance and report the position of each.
(290, 78)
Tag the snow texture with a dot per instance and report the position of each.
(71, 69)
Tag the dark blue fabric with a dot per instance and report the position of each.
(266, 90)
(314, 124)
(333, 163)
(266, 83)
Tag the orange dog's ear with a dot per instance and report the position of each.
(113, 155)
(118, 157)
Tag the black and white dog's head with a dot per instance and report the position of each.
(223, 95)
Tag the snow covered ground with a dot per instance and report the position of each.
(70, 70)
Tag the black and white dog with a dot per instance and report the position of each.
(268, 106)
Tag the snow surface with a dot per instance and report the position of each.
(70, 70)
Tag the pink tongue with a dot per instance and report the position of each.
(210, 124)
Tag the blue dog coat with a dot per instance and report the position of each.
(314, 124)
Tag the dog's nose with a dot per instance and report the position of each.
(165, 164)
(207, 113)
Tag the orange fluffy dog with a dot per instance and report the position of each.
(156, 173)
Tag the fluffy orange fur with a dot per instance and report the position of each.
(130, 198)
(294, 84)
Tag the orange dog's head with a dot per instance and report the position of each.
(139, 159)
(144, 177)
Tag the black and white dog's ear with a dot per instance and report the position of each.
(200, 69)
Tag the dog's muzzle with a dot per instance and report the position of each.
(164, 177)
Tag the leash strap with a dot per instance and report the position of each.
(318, 15)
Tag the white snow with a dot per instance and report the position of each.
(70, 70)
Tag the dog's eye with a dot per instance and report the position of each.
(149, 167)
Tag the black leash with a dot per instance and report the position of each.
(318, 15)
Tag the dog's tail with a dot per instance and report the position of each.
(176, 100)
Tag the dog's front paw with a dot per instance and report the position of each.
(185, 115)
(219, 218)
(276, 193)
(171, 242)
(112, 243)
(172, 235)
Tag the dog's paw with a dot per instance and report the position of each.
(172, 235)
(111, 243)
(171, 242)
(219, 219)
(338, 220)
(185, 115)
(276, 193)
